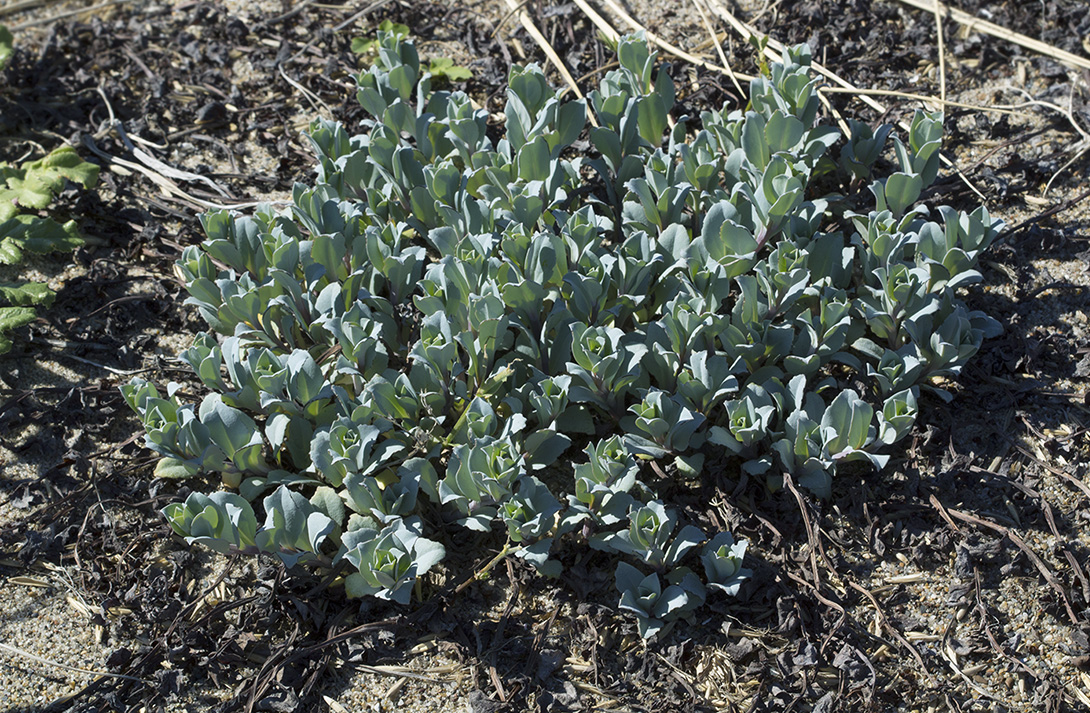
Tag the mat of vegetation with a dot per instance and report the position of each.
(954, 579)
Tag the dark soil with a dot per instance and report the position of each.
(168, 75)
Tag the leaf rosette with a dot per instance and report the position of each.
(418, 342)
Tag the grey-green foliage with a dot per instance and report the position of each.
(438, 318)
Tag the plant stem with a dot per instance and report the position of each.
(481, 573)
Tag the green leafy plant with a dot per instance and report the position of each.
(365, 46)
(644, 597)
(441, 316)
(6, 46)
(25, 190)
(444, 68)
(441, 69)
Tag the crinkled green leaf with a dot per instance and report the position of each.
(15, 317)
(445, 67)
(40, 235)
(26, 294)
(6, 46)
(34, 184)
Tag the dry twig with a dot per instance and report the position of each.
(612, 34)
(988, 28)
(66, 667)
(529, 26)
(719, 48)
(942, 53)
(774, 46)
(63, 15)
(884, 621)
(1013, 536)
(995, 109)
(23, 5)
